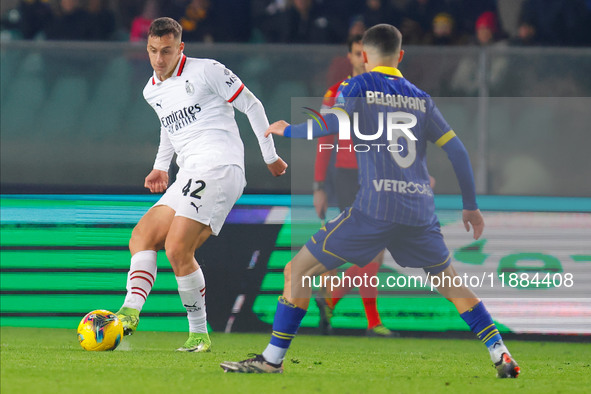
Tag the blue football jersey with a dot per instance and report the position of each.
(393, 176)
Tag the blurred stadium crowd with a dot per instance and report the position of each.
(423, 22)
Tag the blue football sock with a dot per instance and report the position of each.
(285, 325)
(482, 325)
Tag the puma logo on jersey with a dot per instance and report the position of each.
(196, 207)
(159, 104)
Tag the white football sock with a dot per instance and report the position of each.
(274, 354)
(192, 292)
(140, 279)
(496, 350)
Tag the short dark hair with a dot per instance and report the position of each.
(353, 39)
(164, 26)
(385, 38)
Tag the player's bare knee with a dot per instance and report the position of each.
(293, 276)
(299, 277)
(293, 271)
(177, 253)
(143, 240)
(287, 272)
(137, 240)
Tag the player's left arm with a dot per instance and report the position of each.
(227, 85)
(439, 132)
(458, 155)
(251, 106)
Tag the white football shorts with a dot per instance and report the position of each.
(205, 196)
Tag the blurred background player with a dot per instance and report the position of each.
(140, 25)
(345, 186)
(487, 34)
(400, 217)
(194, 100)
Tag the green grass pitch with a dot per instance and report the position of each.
(42, 360)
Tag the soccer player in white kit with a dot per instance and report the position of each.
(194, 100)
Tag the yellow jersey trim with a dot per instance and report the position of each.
(388, 70)
(437, 265)
(444, 139)
(332, 231)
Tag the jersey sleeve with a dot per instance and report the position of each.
(348, 94)
(249, 104)
(165, 152)
(437, 129)
(222, 81)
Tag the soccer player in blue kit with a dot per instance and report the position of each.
(394, 208)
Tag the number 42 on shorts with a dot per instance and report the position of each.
(195, 193)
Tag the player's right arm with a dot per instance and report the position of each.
(475, 219)
(157, 179)
(284, 129)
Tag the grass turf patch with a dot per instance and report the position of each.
(51, 361)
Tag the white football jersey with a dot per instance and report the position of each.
(196, 113)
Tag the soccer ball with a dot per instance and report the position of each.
(100, 330)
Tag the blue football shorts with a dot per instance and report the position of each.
(353, 237)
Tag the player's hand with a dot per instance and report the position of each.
(432, 182)
(475, 219)
(320, 203)
(278, 167)
(277, 128)
(156, 181)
